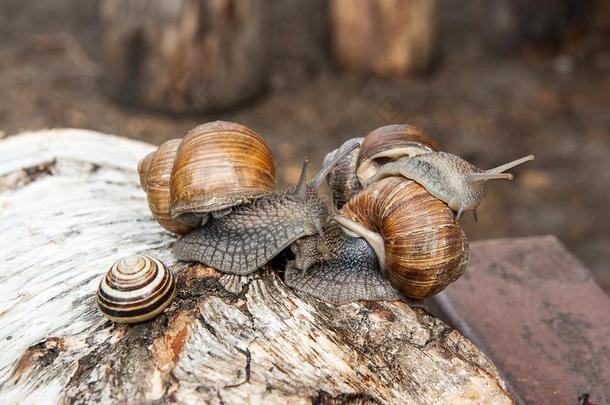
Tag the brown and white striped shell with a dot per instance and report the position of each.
(135, 289)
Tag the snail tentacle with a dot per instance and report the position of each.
(510, 165)
(301, 187)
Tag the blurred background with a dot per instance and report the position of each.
(491, 80)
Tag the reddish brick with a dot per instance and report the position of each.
(538, 313)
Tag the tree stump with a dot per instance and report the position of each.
(384, 37)
(184, 55)
(71, 206)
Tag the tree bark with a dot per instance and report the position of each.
(384, 37)
(71, 206)
(184, 55)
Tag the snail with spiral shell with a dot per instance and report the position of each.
(136, 289)
(215, 167)
(403, 208)
(221, 168)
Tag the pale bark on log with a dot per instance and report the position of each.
(71, 205)
(184, 55)
(384, 37)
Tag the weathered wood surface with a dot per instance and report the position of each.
(184, 55)
(70, 205)
(384, 37)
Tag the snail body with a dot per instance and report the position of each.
(385, 144)
(217, 166)
(348, 270)
(418, 245)
(255, 232)
(342, 179)
(135, 289)
(448, 177)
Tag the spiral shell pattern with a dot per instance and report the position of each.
(425, 248)
(135, 289)
(217, 166)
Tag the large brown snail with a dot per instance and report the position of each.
(216, 166)
(135, 289)
(405, 215)
(224, 167)
(414, 240)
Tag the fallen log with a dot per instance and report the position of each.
(70, 205)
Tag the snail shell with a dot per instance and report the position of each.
(390, 143)
(143, 168)
(383, 145)
(155, 173)
(216, 166)
(420, 246)
(135, 289)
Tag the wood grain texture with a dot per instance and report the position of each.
(71, 205)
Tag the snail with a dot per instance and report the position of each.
(392, 233)
(135, 289)
(215, 167)
(383, 145)
(448, 177)
(258, 230)
(348, 270)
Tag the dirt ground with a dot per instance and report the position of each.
(487, 108)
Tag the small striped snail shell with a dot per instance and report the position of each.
(217, 166)
(383, 145)
(135, 289)
(419, 247)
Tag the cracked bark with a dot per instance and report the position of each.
(71, 205)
